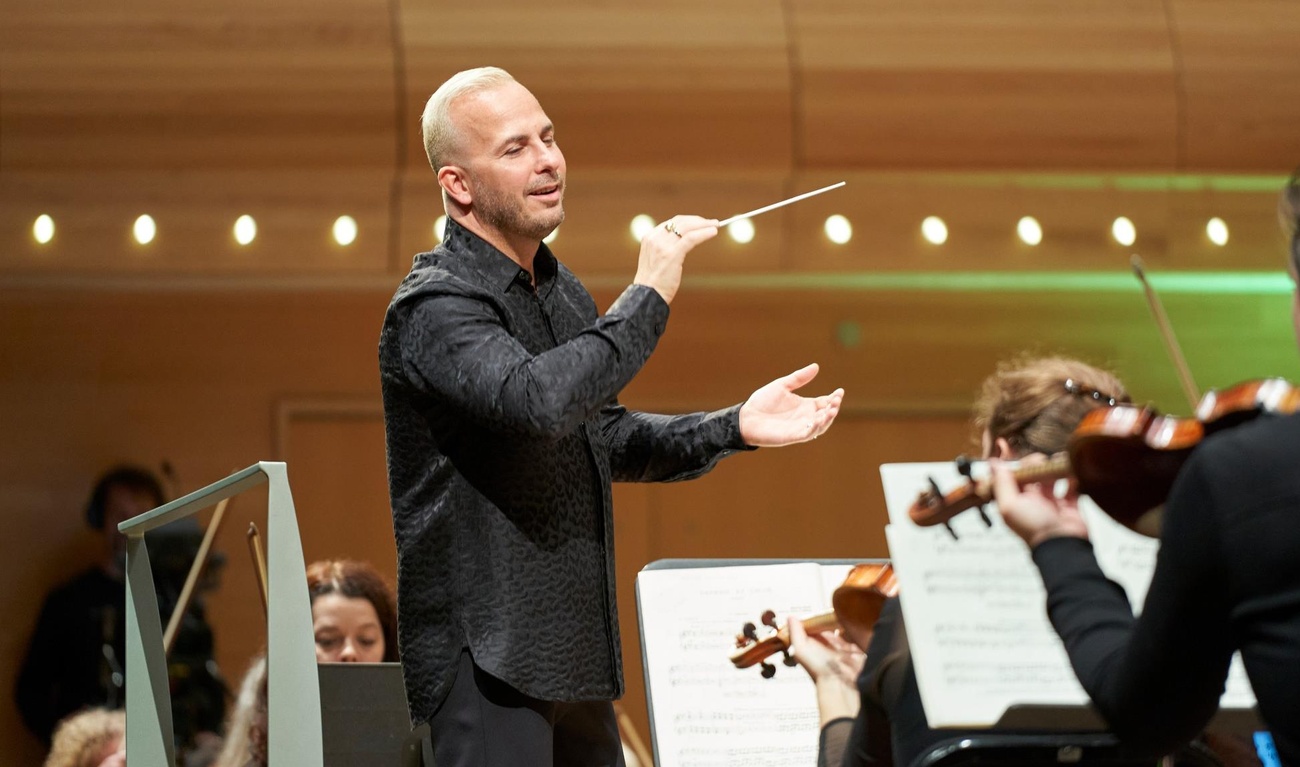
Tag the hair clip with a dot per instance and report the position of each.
(1079, 391)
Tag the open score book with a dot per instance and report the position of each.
(976, 611)
(984, 651)
(704, 712)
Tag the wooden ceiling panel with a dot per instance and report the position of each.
(297, 112)
(665, 84)
(996, 84)
(214, 84)
(1240, 73)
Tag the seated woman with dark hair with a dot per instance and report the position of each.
(353, 612)
(354, 620)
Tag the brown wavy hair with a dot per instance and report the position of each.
(357, 580)
(1035, 403)
(1288, 215)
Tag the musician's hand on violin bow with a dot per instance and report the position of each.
(1035, 512)
(834, 664)
(775, 416)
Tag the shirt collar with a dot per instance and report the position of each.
(500, 269)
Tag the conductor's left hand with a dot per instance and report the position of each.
(774, 415)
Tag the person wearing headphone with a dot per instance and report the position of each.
(76, 656)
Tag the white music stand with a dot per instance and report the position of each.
(294, 720)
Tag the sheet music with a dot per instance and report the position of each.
(705, 711)
(975, 608)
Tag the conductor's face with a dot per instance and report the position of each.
(515, 169)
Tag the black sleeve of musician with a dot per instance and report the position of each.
(1156, 679)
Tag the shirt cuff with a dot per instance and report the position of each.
(731, 440)
(834, 741)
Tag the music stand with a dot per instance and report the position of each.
(293, 711)
(365, 720)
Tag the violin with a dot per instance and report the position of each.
(857, 603)
(1124, 457)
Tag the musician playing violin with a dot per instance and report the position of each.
(1227, 579)
(1028, 406)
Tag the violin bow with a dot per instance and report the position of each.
(259, 563)
(1167, 332)
(192, 579)
(632, 737)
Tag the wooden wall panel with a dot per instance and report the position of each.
(195, 217)
(342, 496)
(212, 381)
(596, 237)
(295, 214)
(212, 355)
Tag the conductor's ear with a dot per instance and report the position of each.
(455, 184)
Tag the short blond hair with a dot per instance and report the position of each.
(81, 739)
(439, 132)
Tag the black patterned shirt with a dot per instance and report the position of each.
(504, 433)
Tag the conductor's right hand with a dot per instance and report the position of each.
(664, 249)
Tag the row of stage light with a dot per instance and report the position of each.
(837, 228)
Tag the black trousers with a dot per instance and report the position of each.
(485, 722)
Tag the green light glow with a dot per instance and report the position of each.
(1196, 283)
(1147, 182)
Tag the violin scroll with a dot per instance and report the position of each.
(935, 507)
(857, 601)
(754, 650)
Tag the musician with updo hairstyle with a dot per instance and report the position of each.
(1227, 579)
(874, 716)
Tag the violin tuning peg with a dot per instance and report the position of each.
(768, 671)
(749, 631)
(964, 466)
(788, 659)
(769, 619)
(984, 515)
(953, 533)
(937, 497)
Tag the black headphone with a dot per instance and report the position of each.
(132, 477)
